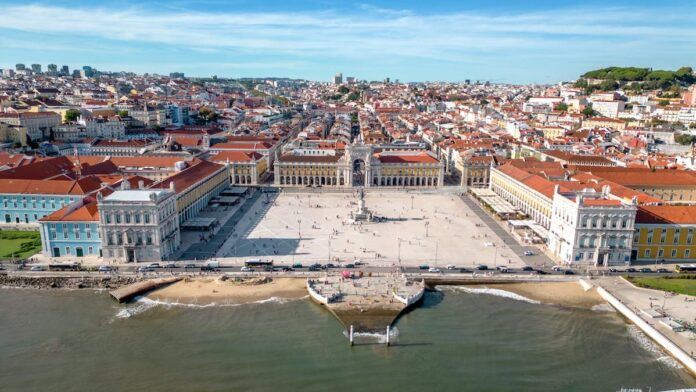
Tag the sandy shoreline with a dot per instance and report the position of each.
(209, 290)
(555, 293)
(203, 291)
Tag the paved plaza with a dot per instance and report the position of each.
(417, 228)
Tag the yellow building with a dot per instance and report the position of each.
(665, 233)
(195, 186)
(675, 186)
(245, 167)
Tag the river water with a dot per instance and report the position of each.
(456, 341)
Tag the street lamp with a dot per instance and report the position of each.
(299, 228)
(427, 223)
(412, 196)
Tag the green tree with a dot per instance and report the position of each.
(123, 113)
(71, 115)
(561, 107)
(685, 139)
(589, 112)
(343, 90)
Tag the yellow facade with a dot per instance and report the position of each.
(664, 242)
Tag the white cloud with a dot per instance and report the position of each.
(368, 32)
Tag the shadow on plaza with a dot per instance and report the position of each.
(266, 247)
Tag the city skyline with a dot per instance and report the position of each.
(539, 42)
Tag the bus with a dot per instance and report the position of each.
(257, 263)
(685, 268)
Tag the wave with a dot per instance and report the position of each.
(646, 343)
(496, 292)
(142, 304)
(376, 337)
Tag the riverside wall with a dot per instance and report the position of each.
(674, 350)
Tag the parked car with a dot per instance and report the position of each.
(314, 268)
(207, 268)
(464, 270)
(105, 268)
(37, 268)
(187, 266)
(556, 268)
(528, 253)
(502, 269)
(451, 267)
(358, 262)
(646, 270)
(247, 269)
(631, 270)
(434, 270)
(287, 269)
(663, 271)
(541, 272)
(613, 270)
(329, 265)
(297, 265)
(424, 267)
(153, 265)
(568, 272)
(481, 267)
(349, 265)
(145, 269)
(527, 268)
(315, 265)
(170, 265)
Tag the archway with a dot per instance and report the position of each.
(358, 172)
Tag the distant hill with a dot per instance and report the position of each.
(637, 79)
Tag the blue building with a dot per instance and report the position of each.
(72, 232)
(26, 201)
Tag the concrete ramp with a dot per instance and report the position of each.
(130, 291)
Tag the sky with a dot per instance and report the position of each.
(511, 41)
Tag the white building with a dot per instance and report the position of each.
(609, 109)
(139, 225)
(591, 228)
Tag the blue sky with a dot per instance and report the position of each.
(502, 41)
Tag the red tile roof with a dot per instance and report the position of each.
(666, 214)
(405, 157)
(83, 186)
(186, 178)
(87, 212)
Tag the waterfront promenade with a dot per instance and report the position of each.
(656, 308)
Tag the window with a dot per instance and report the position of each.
(674, 253)
(89, 235)
(147, 217)
(660, 252)
(646, 253)
(650, 236)
(663, 236)
(67, 250)
(128, 217)
(687, 253)
(90, 250)
(137, 218)
(149, 238)
(118, 218)
(108, 218)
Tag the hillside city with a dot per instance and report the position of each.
(116, 167)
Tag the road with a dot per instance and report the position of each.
(537, 260)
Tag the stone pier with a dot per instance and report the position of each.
(369, 304)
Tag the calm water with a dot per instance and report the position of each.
(74, 341)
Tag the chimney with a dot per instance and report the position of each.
(141, 184)
(171, 186)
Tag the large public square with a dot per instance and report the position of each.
(416, 228)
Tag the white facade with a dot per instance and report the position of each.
(138, 225)
(590, 228)
(609, 109)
